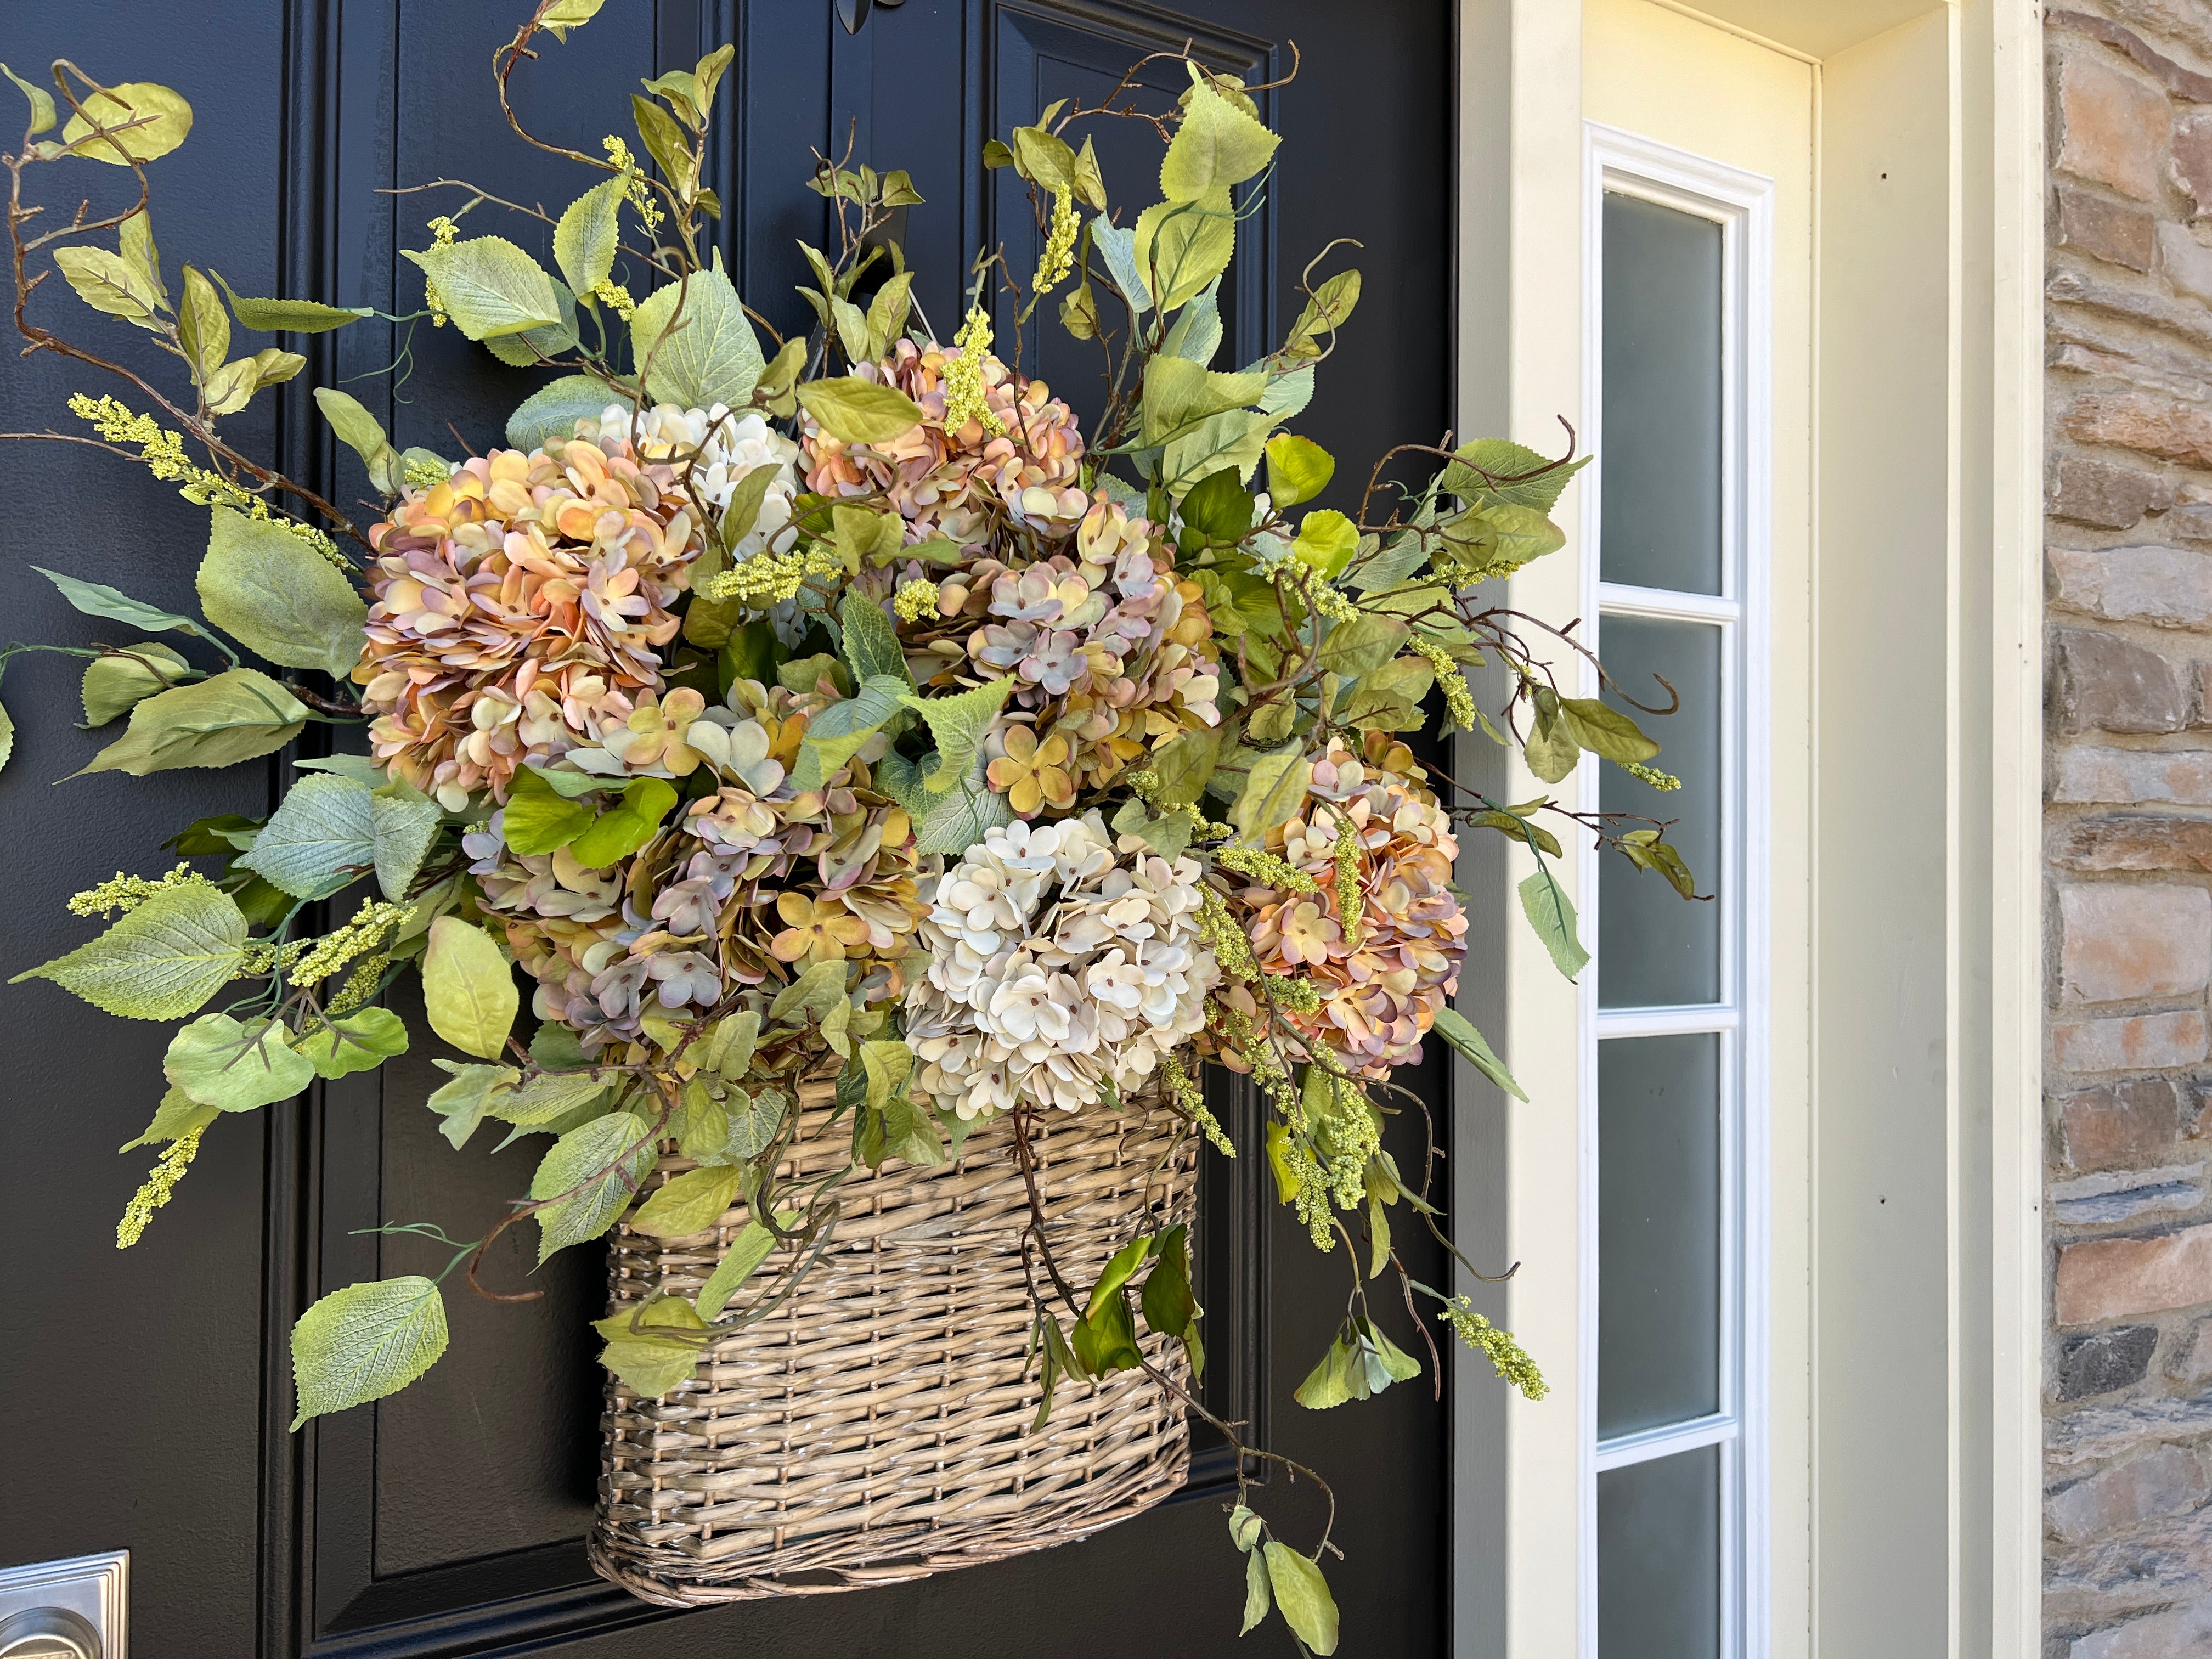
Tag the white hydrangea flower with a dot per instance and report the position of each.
(728, 448)
(1057, 966)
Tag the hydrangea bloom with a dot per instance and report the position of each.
(1057, 968)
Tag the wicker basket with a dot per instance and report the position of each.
(876, 1427)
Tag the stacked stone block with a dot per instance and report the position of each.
(2128, 1499)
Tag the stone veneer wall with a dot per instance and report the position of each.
(2127, 1102)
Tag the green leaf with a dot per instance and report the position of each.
(956, 820)
(1185, 766)
(1106, 1341)
(42, 102)
(1361, 645)
(566, 15)
(468, 989)
(7, 736)
(464, 1101)
(1553, 915)
(584, 241)
(98, 599)
(106, 282)
(1378, 1238)
(870, 644)
(1219, 508)
(157, 121)
(554, 409)
(605, 1162)
(177, 1115)
(1453, 1027)
(538, 817)
(1551, 750)
(220, 1062)
(1327, 540)
(1328, 1385)
(858, 411)
(1275, 789)
(271, 591)
(747, 1251)
(162, 961)
(1501, 533)
(1216, 145)
(690, 1203)
(812, 994)
(322, 838)
(359, 1043)
(1245, 1527)
(490, 286)
(291, 316)
(1196, 332)
(728, 1047)
(115, 683)
(1182, 246)
(405, 828)
(1303, 1594)
(1044, 158)
(203, 327)
(547, 1099)
(1118, 246)
(708, 355)
(1179, 393)
(887, 312)
(1326, 312)
(1605, 730)
(361, 432)
(1299, 469)
(364, 1342)
(1123, 1262)
(1256, 1598)
(666, 142)
(653, 1349)
(1500, 458)
(958, 723)
(134, 239)
(623, 828)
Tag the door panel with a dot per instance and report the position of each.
(448, 1520)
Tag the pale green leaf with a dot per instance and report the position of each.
(290, 316)
(592, 1171)
(42, 102)
(1178, 393)
(152, 121)
(747, 1251)
(1487, 458)
(177, 1115)
(1453, 1027)
(547, 1099)
(363, 434)
(554, 409)
(1196, 332)
(274, 593)
(468, 989)
(490, 286)
(1275, 790)
(871, 645)
(364, 1342)
(404, 829)
(1182, 246)
(203, 326)
(134, 239)
(115, 683)
(1553, 915)
(958, 723)
(98, 599)
(162, 960)
(860, 411)
(464, 1101)
(690, 1203)
(1216, 145)
(701, 353)
(1361, 645)
(1303, 1594)
(1118, 244)
(654, 1348)
(1605, 732)
(322, 838)
(358, 1043)
(106, 282)
(584, 241)
(220, 1061)
(566, 15)
(1256, 1598)
(1325, 312)
(1299, 469)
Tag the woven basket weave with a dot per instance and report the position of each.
(875, 1428)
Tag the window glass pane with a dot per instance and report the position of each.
(1660, 505)
(1656, 948)
(1659, 1231)
(1659, 1558)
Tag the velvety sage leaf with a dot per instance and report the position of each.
(654, 1348)
(592, 1171)
(321, 838)
(1118, 244)
(1196, 332)
(811, 995)
(835, 735)
(958, 818)
(220, 1061)
(272, 592)
(42, 102)
(1551, 750)
(162, 960)
(468, 989)
(358, 1043)
(1216, 145)
(584, 241)
(364, 1342)
(1454, 1028)
(464, 1101)
(887, 312)
(554, 409)
(116, 683)
(177, 1115)
(1303, 1594)
(1185, 766)
(1329, 1383)
(747, 1251)
(1550, 912)
(858, 411)
(958, 723)
(1275, 789)
(546, 1098)
(405, 828)
(688, 1203)
(728, 1047)
(1496, 534)
(290, 316)
(704, 353)
(153, 121)
(106, 283)
(490, 286)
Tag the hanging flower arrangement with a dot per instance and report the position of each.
(834, 707)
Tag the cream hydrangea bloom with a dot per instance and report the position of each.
(728, 449)
(1058, 967)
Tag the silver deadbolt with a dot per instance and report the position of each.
(73, 1609)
